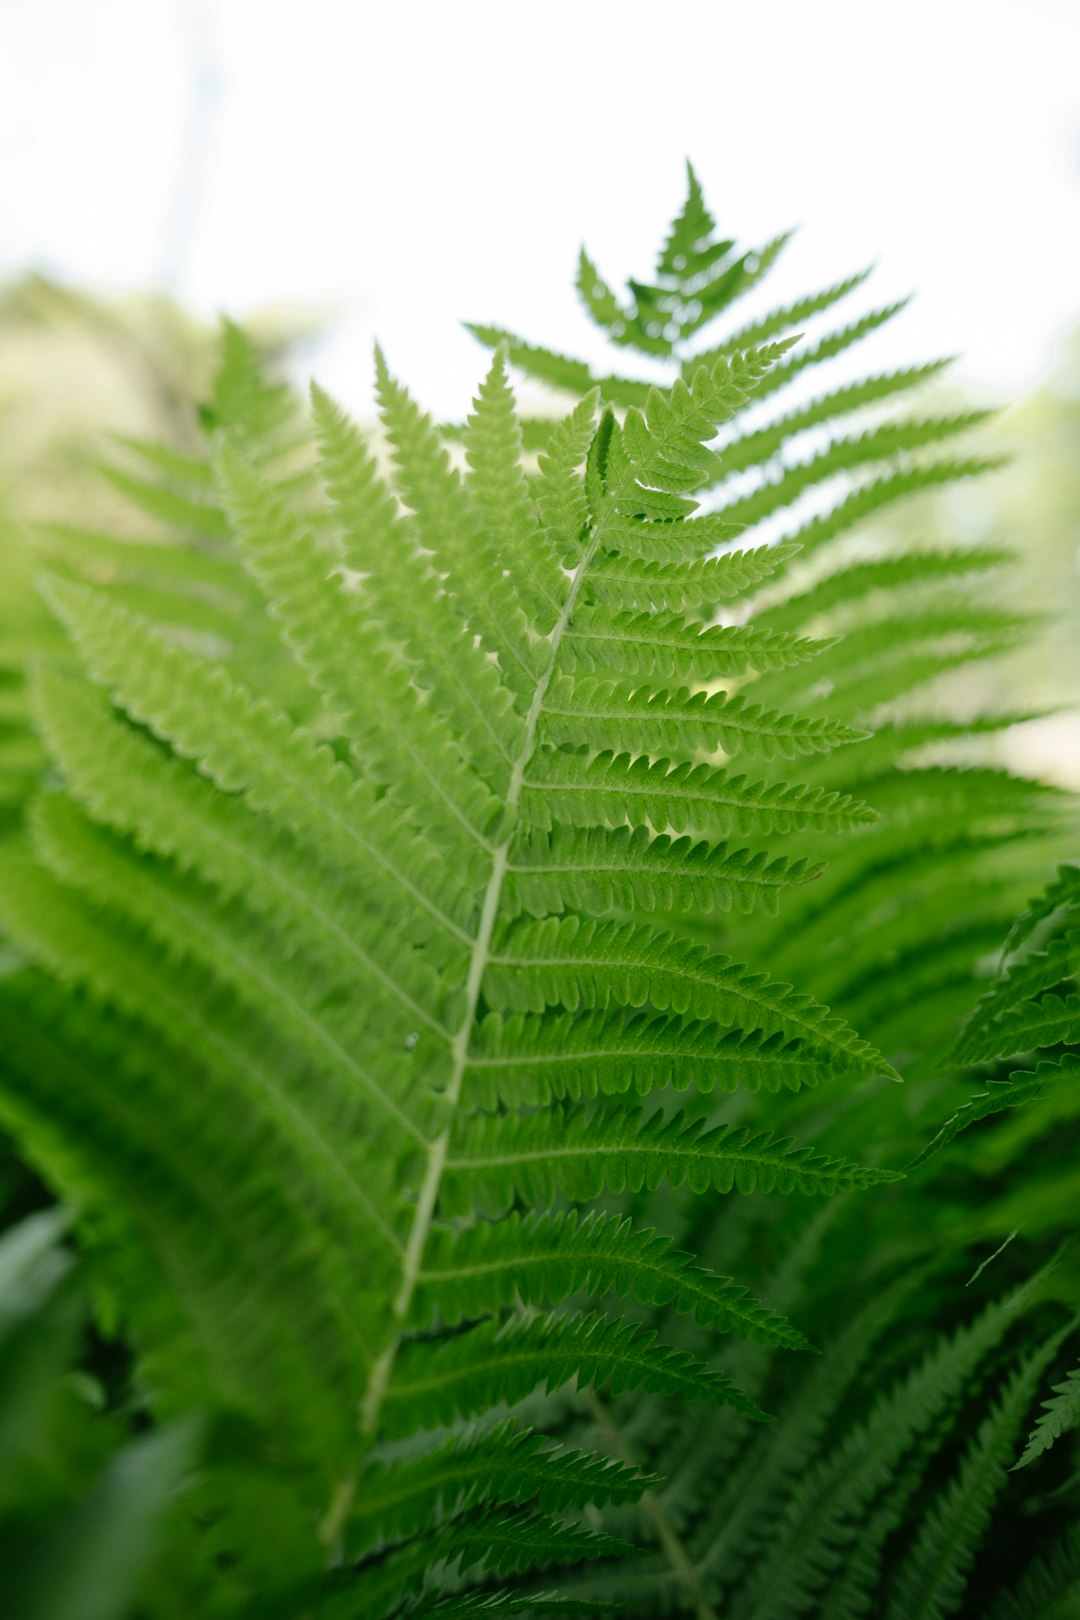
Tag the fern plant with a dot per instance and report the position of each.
(372, 1009)
(931, 884)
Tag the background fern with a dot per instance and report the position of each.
(372, 932)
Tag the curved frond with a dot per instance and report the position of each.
(545, 1258)
(536, 1156)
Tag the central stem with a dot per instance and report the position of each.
(424, 1215)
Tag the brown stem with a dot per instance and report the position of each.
(653, 1509)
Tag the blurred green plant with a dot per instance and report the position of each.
(83, 1500)
(77, 372)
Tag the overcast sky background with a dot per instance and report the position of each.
(402, 166)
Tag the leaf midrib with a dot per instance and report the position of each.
(480, 956)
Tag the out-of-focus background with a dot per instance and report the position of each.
(330, 171)
(398, 168)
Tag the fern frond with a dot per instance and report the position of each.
(931, 1581)
(433, 1384)
(503, 1464)
(116, 965)
(411, 612)
(588, 964)
(493, 1539)
(132, 786)
(560, 488)
(589, 790)
(598, 869)
(536, 1156)
(795, 313)
(451, 530)
(245, 745)
(530, 1061)
(84, 858)
(740, 1531)
(1012, 1093)
(508, 1542)
(668, 648)
(1063, 892)
(823, 1515)
(173, 464)
(688, 248)
(1032, 1004)
(661, 448)
(252, 1247)
(846, 586)
(624, 579)
(586, 711)
(546, 1258)
(1060, 1414)
(843, 455)
(333, 641)
(557, 370)
(345, 1010)
(1043, 1022)
(621, 325)
(207, 573)
(501, 492)
(201, 519)
(881, 492)
(495, 1605)
(1024, 980)
(827, 348)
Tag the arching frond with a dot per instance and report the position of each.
(396, 976)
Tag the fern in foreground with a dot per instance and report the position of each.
(372, 1008)
(328, 991)
(910, 900)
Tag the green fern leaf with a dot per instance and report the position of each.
(495, 1362)
(586, 711)
(623, 578)
(503, 1464)
(587, 964)
(537, 1157)
(1060, 1414)
(552, 1257)
(620, 869)
(931, 1582)
(593, 789)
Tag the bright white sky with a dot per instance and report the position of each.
(406, 164)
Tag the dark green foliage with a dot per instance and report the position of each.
(82, 1503)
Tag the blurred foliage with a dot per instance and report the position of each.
(83, 1495)
(86, 1484)
(1032, 506)
(77, 371)
(78, 376)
